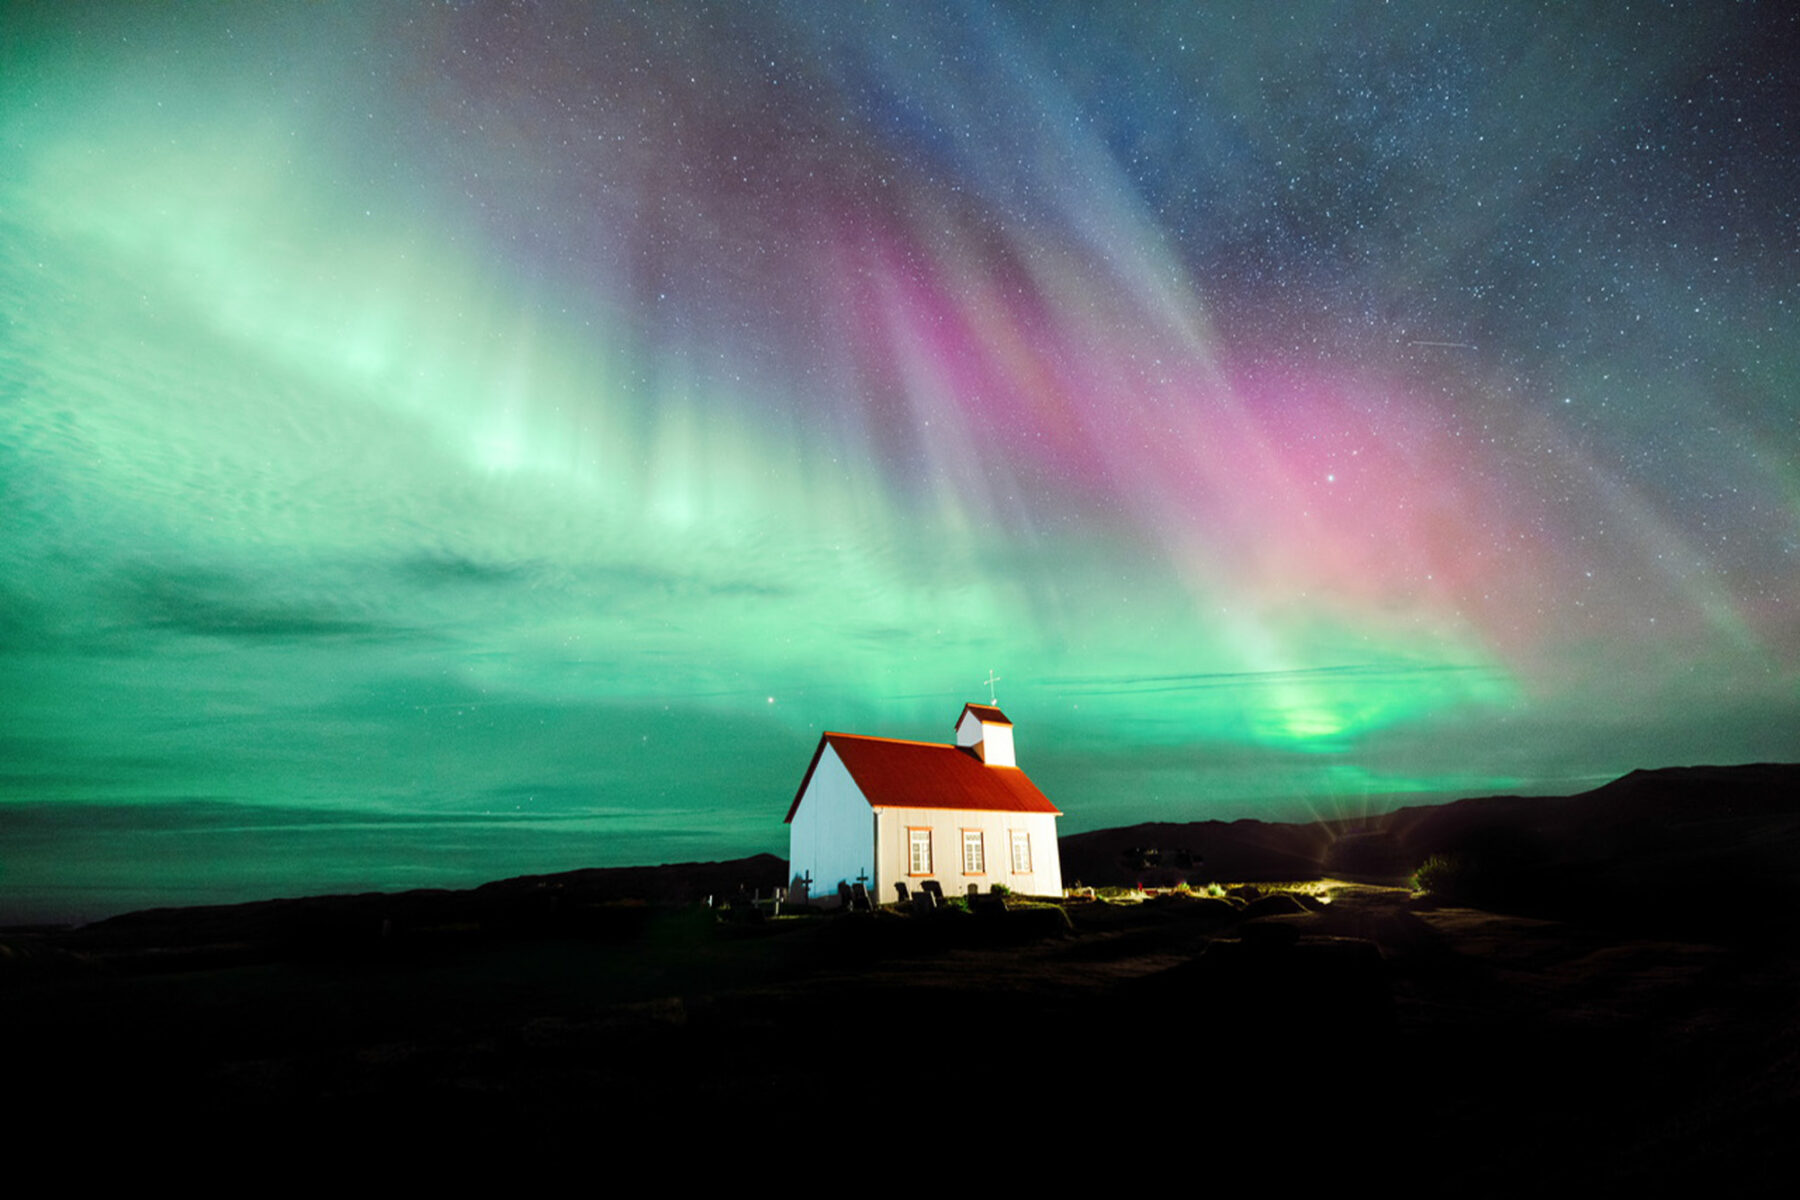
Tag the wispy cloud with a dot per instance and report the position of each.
(1092, 685)
(212, 603)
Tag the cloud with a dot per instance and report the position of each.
(1200, 681)
(441, 570)
(210, 603)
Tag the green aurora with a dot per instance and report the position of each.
(444, 443)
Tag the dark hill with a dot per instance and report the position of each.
(1679, 847)
(592, 902)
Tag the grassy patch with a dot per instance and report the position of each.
(1452, 877)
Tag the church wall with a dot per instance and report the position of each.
(830, 832)
(947, 827)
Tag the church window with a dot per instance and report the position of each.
(1021, 852)
(918, 851)
(974, 861)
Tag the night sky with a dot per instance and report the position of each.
(441, 442)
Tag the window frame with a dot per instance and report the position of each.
(1021, 840)
(973, 838)
(917, 836)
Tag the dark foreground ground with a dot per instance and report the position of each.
(1176, 1041)
(1622, 1011)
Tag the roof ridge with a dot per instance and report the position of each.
(869, 737)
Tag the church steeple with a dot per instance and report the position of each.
(985, 730)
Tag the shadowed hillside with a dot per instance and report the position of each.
(1679, 847)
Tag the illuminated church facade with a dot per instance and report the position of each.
(881, 811)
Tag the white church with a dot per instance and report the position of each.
(881, 811)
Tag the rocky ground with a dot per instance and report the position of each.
(1265, 1039)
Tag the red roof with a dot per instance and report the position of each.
(897, 774)
(984, 712)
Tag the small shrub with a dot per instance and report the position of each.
(1000, 889)
(1448, 876)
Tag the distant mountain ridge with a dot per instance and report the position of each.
(1653, 843)
(1650, 841)
(1663, 808)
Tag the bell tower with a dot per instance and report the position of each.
(985, 730)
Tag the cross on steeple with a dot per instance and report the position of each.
(991, 680)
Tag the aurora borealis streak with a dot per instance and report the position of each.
(441, 442)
